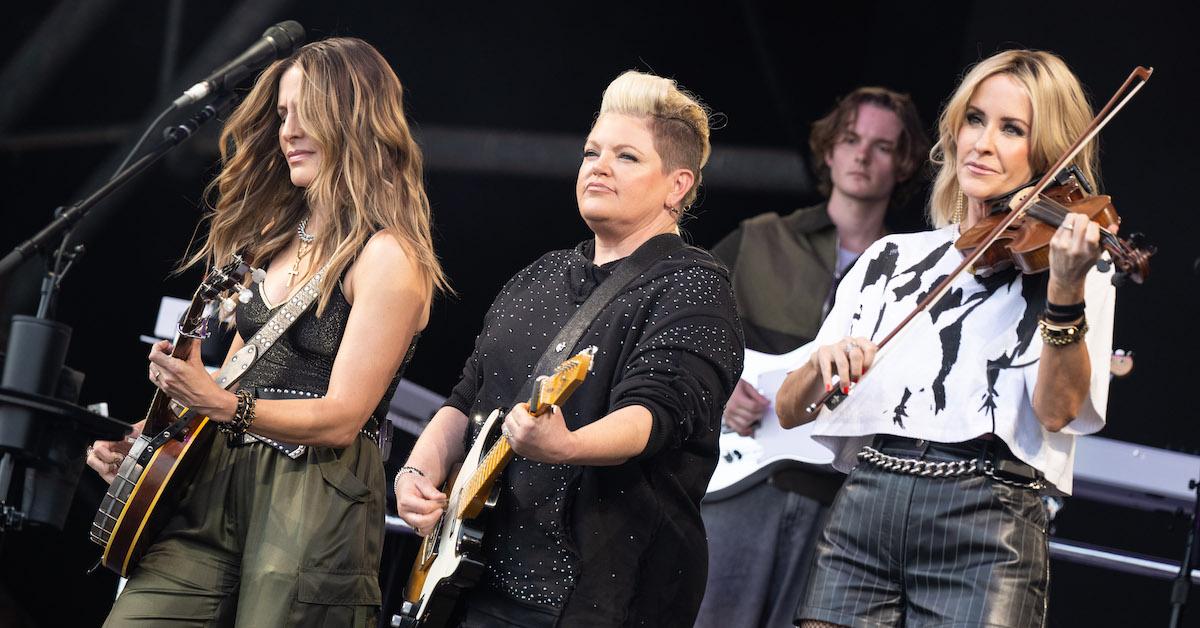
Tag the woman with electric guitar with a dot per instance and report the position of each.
(963, 391)
(282, 523)
(596, 519)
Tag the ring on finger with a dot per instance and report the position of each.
(157, 374)
(851, 346)
(504, 431)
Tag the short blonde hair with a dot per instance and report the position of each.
(678, 120)
(1061, 112)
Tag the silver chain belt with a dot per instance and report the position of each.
(938, 468)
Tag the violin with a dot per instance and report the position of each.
(1042, 203)
(1025, 241)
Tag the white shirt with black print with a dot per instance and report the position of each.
(965, 367)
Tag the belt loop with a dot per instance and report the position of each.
(987, 455)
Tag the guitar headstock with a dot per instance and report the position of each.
(217, 281)
(223, 279)
(555, 388)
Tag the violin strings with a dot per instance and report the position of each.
(1055, 212)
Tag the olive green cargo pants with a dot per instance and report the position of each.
(261, 540)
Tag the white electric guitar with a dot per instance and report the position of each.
(747, 460)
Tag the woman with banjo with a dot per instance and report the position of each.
(282, 525)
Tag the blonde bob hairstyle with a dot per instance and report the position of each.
(678, 121)
(371, 175)
(1060, 114)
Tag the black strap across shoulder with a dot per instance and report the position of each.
(563, 344)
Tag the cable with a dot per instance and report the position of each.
(142, 139)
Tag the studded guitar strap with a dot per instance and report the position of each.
(262, 341)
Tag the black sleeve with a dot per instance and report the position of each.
(684, 370)
(727, 248)
(466, 391)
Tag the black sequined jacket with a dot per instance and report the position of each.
(615, 545)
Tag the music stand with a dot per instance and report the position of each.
(47, 437)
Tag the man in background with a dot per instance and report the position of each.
(868, 151)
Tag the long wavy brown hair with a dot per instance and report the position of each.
(370, 175)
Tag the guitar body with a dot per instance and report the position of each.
(450, 558)
(448, 562)
(147, 489)
(164, 458)
(745, 461)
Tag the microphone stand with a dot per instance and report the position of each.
(172, 137)
(36, 428)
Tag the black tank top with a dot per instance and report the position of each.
(302, 359)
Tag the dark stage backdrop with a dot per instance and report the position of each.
(769, 67)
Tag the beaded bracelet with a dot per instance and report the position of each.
(400, 473)
(1058, 335)
(242, 417)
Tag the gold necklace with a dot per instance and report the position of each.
(305, 240)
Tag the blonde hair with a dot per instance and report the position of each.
(678, 120)
(1060, 114)
(370, 174)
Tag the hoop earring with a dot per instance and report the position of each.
(959, 212)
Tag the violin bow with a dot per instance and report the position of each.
(1134, 83)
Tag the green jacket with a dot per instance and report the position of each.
(782, 269)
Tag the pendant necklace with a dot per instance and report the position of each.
(306, 239)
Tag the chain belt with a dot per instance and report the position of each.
(940, 469)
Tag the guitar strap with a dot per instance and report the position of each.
(646, 255)
(259, 345)
(262, 341)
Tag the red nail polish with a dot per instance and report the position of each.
(845, 390)
(828, 387)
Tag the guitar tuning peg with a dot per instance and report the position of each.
(244, 296)
(228, 305)
(258, 275)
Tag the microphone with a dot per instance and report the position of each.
(277, 42)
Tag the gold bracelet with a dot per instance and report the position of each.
(1058, 335)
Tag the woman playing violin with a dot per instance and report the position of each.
(954, 437)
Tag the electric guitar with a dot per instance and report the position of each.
(171, 447)
(448, 561)
(747, 460)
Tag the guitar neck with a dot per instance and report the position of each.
(160, 416)
(547, 391)
(481, 481)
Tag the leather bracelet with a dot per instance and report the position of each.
(1058, 335)
(1056, 313)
